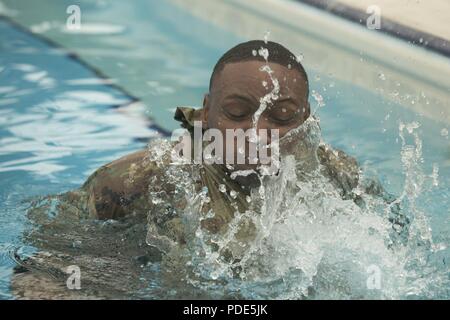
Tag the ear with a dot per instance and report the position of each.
(307, 112)
(205, 113)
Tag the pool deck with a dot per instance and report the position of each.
(430, 16)
(423, 23)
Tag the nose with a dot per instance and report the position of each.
(264, 129)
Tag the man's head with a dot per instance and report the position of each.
(238, 84)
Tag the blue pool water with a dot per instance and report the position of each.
(59, 121)
(42, 149)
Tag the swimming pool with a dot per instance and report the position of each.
(60, 120)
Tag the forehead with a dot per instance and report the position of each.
(248, 77)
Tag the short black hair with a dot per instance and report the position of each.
(249, 50)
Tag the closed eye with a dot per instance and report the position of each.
(283, 115)
(237, 112)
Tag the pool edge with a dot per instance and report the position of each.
(388, 26)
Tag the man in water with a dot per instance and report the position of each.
(237, 84)
(146, 185)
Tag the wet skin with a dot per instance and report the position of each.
(235, 96)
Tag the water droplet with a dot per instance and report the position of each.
(263, 52)
(77, 244)
(435, 175)
(318, 98)
(266, 36)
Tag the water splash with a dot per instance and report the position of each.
(301, 239)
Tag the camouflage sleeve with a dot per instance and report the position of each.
(396, 216)
(344, 172)
(342, 169)
(119, 188)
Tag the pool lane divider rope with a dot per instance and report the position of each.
(388, 26)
